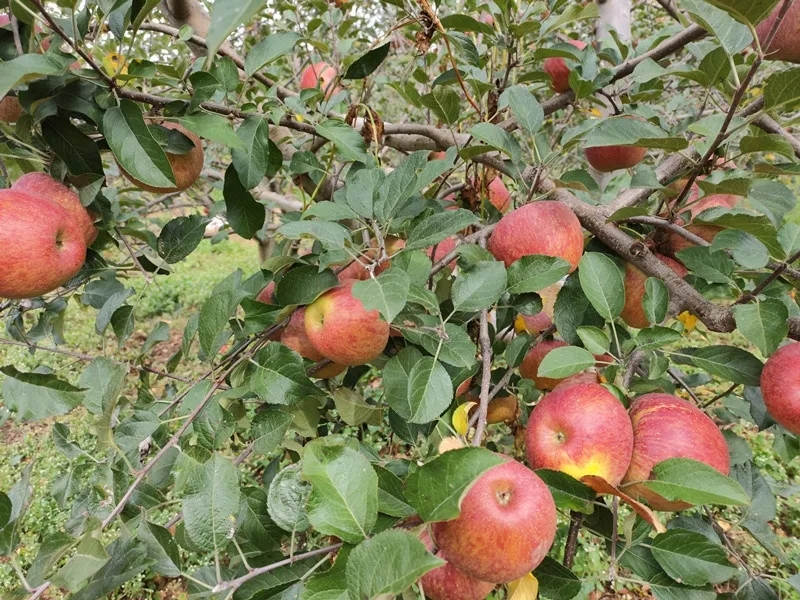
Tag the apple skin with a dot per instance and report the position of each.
(185, 167)
(357, 268)
(582, 429)
(633, 312)
(536, 324)
(501, 409)
(341, 329)
(665, 427)
(556, 67)
(506, 526)
(294, 337)
(786, 43)
(42, 185)
(529, 368)
(496, 193)
(442, 249)
(449, 583)
(322, 73)
(41, 246)
(519, 233)
(675, 243)
(612, 158)
(780, 386)
(267, 295)
(10, 109)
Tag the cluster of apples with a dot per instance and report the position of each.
(44, 236)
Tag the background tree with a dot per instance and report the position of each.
(446, 294)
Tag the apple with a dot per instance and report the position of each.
(780, 386)
(442, 249)
(341, 329)
(506, 526)
(588, 376)
(41, 245)
(501, 409)
(536, 324)
(786, 43)
(544, 227)
(665, 427)
(495, 192)
(295, 338)
(633, 311)
(267, 295)
(674, 242)
(529, 368)
(319, 74)
(449, 583)
(695, 207)
(556, 67)
(357, 268)
(185, 167)
(582, 429)
(10, 109)
(42, 185)
(611, 158)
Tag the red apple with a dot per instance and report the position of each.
(780, 386)
(267, 295)
(582, 429)
(42, 185)
(449, 583)
(786, 43)
(611, 158)
(588, 376)
(633, 311)
(536, 324)
(294, 337)
(341, 329)
(506, 526)
(674, 243)
(529, 368)
(41, 245)
(556, 67)
(714, 200)
(442, 249)
(545, 227)
(667, 427)
(319, 74)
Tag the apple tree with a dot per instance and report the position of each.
(527, 296)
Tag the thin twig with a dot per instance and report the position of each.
(486, 378)
(752, 295)
(571, 545)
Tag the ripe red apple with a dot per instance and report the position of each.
(506, 526)
(267, 295)
(633, 312)
(294, 337)
(496, 192)
(529, 368)
(714, 200)
(449, 583)
(185, 167)
(780, 386)
(442, 249)
(319, 73)
(42, 185)
(674, 243)
(545, 227)
(536, 324)
(611, 158)
(556, 67)
(667, 427)
(582, 429)
(584, 377)
(341, 329)
(41, 245)
(786, 43)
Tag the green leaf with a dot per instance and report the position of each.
(251, 161)
(78, 151)
(54, 547)
(134, 147)
(34, 396)
(573, 309)
(128, 558)
(603, 283)
(391, 499)
(213, 325)
(28, 67)
(303, 285)
(444, 103)
(753, 11)
(386, 564)
(212, 127)
(525, 108)
(210, 514)
(386, 293)
(89, 558)
(348, 141)
(245, 214)
(332, 235)
(226, 16)
(454, 346)
(732, 364)
(690, 558)
(180, 236)
(594, 340)
(556, 582)
(354, 410)
(362, 186)
(763, 323)
(754, 589)
(748, 251)
(436, 489)
(657, 337)
(278, 376)
(344, 495)
(269, 49)
(568, 492)
(268, 428)
(714, 267)
(498, 138)
(479, 286)
(565, 361)
(626, 131)
(665, 588)
(780, 88)
(5, 510)
(286, 499)
(733, 36)
(656, 300)
(161, 546)
(518, 349)
(772, 198)
(696, 483)
(433, 229)
(535, 272)
(417, 387)
(367, 64)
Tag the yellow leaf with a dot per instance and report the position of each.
(299, 118)
(461, 417)
(689, 321)
(114, 64)
(525, 588)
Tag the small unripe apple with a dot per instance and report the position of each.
(506, 526)
(556, 67)
(321, 75)
(665, 427)
(544, 227)
(633, 311)
(185, 167)
(582, 429)
(529, 368)
(41, 245)
(341, 329)
(449, 583)
(780, 386)
(786, 43)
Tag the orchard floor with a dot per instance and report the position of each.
(170, 299)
